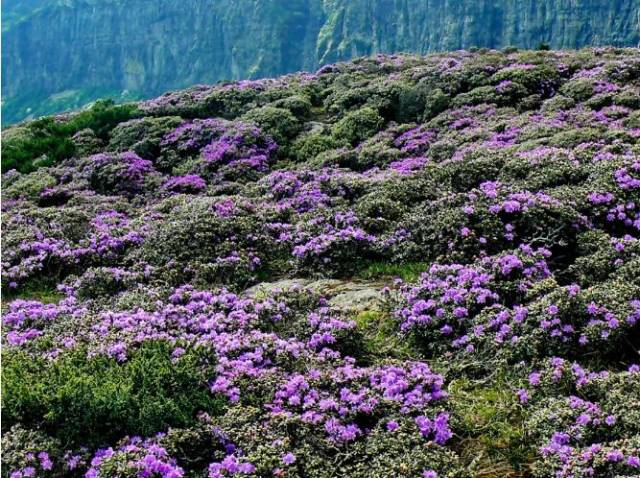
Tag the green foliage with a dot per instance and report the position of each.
(311, 145)
(92, 401)
(42, 291)
(378, 212)
(408, 272)
(29, 186)
(210, 238)
(380, 454)
(280, 123)
(47, 141)
(358, 125)
(580, 89)
(142, 136)
(558, 103)
(298, 105)
(379, 337)
(436, 102)
(490, 422)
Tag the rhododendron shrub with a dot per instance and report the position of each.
(218, 149)
(502, 186)
(585, 422)
(52, 243)
(125, 173)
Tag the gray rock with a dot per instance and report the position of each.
(352, 297)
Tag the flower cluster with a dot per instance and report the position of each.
(460, 305)
(145, 458)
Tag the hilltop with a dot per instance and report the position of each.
(399, 265)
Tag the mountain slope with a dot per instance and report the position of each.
(61, 54)
(400, 266)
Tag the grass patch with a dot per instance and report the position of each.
(409, 272)
(46, 294)
(380, 337)
(490, 424)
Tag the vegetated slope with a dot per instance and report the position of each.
(502, 187)
(60, 55)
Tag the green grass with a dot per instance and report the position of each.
(42, 293)
(490, 424)
(409, 272)
(380, 337)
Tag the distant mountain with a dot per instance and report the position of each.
(62, 54)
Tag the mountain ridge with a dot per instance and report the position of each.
(61, 55)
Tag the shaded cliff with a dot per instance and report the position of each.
(61, 54)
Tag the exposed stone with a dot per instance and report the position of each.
(344, 295)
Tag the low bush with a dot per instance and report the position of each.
(94, 400)
(49, 141)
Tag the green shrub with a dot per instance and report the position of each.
(489, 94)
(142, 136)
(39, 141)
(92, 401)
(99, 282)
(558, 103)
(408, 103)
(51, 138)
(435, 103)
(280, 123)
(208, 247)
(309, 146)
(299, 106)
(347, 97)
(633, 120)
(86, 142)
(378, 212)
(531, 78)
(30, 186)
(226, 103)
(627, 97)
(580, 89)
(358, 125)
(574, 137)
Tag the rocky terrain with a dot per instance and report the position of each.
(411, 266)
(63, 54)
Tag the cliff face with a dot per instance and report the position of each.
(62, 53)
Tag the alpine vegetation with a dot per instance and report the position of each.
(397, 266)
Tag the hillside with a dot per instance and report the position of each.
(62, 54)
(398, 266)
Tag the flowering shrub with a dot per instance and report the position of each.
(134, 458)
(586, 422)
(190, 183)
(503, 186)
(125, 173)
(225, 149)
(458, 305)
(56, 248)
(331, 243)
